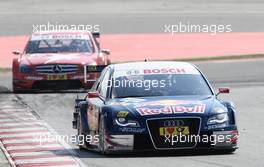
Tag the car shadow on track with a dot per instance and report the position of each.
(141, 154)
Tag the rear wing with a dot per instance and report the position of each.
(92, 69)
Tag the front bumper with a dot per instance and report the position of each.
(43, 82)
(217, 140)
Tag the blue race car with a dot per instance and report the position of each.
(160, 105)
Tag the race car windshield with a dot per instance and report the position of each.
(59, 46)
(160, 85)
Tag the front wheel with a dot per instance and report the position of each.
(20, 90)
(228, 151)
(102, 141)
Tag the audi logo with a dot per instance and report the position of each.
(173, 123)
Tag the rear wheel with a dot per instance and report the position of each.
(81, 135)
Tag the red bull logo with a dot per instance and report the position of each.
(199, 108)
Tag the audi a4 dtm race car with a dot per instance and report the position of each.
(55, 60)
(145, 106)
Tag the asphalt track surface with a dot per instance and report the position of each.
(134, 16)
(245, 78)
(149, 16)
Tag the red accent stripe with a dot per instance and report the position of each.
(39, 156)
(47, 164)
(36, 150)
(18, 138)
(22, 126)
(29, 144)
(26, 131)
(21, 121)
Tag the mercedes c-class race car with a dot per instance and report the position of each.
(55, 60)
(145, 106)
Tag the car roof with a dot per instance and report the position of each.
(156, 66)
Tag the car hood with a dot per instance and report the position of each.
(58, 58)
(166, 106)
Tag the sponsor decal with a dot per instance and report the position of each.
(176, 130)
(199, 108)
(165, 71)
(133, 72)
(33, 78)
(217, 126)
(156, 70)
(122, 114)
(132, 130)
(92, 68)
(57, 77)
(36, 37)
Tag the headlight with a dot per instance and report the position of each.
(124, 119)
(218, 119)
(220, 110)
(125, 123)
(25, 69)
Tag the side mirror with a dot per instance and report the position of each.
(16, 52)
(96, 34)
(223, 90)
(93, 94)
(106, 51)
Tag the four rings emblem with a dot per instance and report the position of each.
(173, 123)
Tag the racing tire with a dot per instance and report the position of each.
(102, 141)
(80, 132)
(225, 151)
(18, 90)
(228, 151)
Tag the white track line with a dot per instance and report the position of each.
(59, 152)
(41, 160)
(34, 134)
(22, 129)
